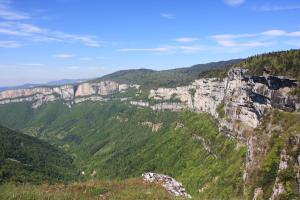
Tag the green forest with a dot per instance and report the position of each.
(26, 159)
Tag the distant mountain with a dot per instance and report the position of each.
(51, 83)
(146, 77)
(27, 159)
(65, 81)
(166, 78)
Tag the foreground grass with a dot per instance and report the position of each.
(90, 190)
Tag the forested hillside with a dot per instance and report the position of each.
(27, 159)
(282, 63)
(166, 78)
(117, 141)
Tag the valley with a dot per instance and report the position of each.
(228, 131)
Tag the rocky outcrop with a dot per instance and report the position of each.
(154, 127)
(70, 94)
(171, 185)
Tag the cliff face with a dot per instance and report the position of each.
(68, 93)
(238, 101)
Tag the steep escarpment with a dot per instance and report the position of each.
(237, 101)
(70, 94)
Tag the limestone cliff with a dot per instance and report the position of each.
(237, 101)
(68, 93)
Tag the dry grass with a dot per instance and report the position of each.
(90, 190)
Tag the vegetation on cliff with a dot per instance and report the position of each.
(278, 142)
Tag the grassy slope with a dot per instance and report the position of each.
(100, 138)
(27, 159)
(90, 190)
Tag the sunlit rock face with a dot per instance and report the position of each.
(243, 98)
(68, 93)
(37, 96)
(103, 88)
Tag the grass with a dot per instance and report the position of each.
(90, 190)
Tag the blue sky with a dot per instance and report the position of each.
(55, 39)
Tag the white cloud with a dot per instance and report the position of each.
(270, 7)
(84, 39)
(64, 55)
(232, 36)
(252, 39)
(38, 34)
(9, 44)
(158, 49)
(13, 27)
(234, 2)
(167, 15)
(33, 64)
(274, 33)
(7, 13)
(186, 39)
(165, 49)
(294, 34)
(192, 49)
(228, 43)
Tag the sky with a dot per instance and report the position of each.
(46, 40)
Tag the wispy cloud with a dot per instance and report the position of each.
(165, 49)
(64, 55)
(262, 39)
(9, 14)
(234, 2)
(10, 44)
(274, 32)
(33, 64)
(272, 7)
(228, 43)
(158, 49)
(233, 36)
(167, 15)
(186, 39)
(13, 25)
(192, 49)
(38, 34)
